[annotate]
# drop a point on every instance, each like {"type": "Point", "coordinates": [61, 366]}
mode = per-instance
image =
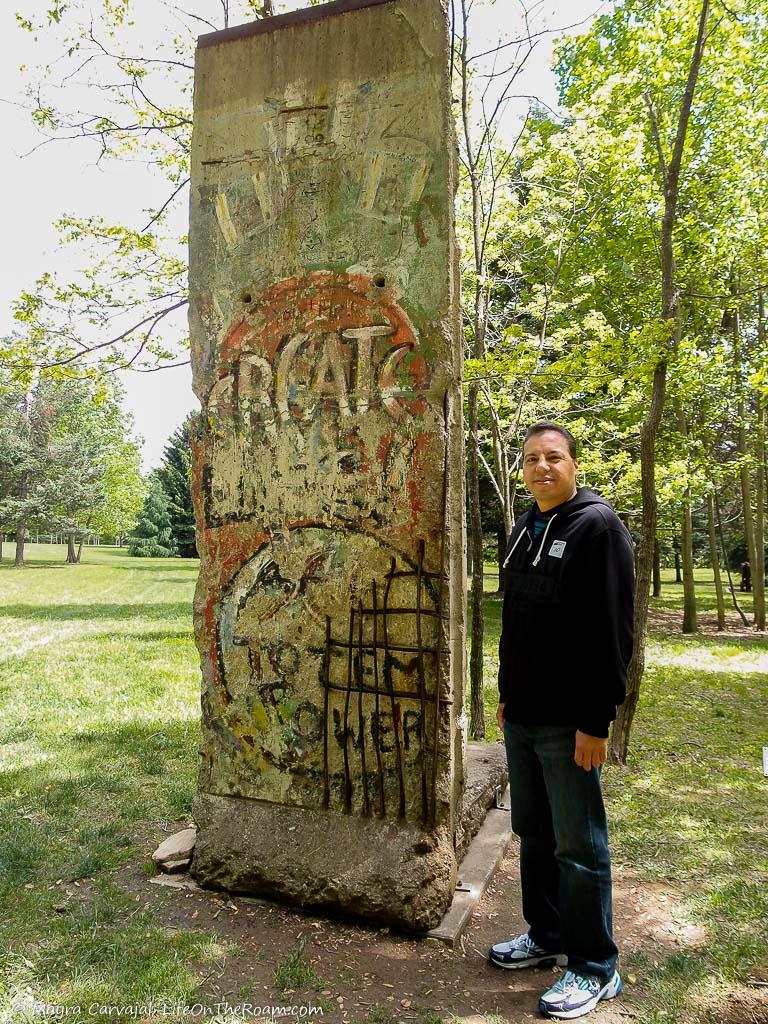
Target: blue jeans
{"type": "Point", "coordinates": [565, 866]}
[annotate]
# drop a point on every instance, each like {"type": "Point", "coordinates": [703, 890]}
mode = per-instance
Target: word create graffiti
{"type": "Point", "coordinates": [339, 371]}
{"type": "Point", "coordinates": [322, 404]}
{"type": "Point", "coordinates": [325, 344]}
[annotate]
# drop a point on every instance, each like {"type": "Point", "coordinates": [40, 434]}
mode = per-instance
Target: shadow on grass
{"type": "Point", "coordinates": [676, 638]}
{"type": "Point", "coordinates": [145, 565]}
{"type": "Point", "coordinates": [60, 816]}
{"type": "Point", "coordinates": [74, 817]}
{"type": "Point", "coordinates": [10, 567]}
{"type": "Point", "coordinates": [98, 612]}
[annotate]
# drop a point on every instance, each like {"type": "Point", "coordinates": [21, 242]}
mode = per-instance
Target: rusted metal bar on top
{"type": "Point", "coordinates": [400, 611]}
{"type": "Point", "coordinates": [368, 647]}
{"type": "Point", "coordinates": [395, 708]}
{"type": "Point", "coordinates": [369, 691]}
{"type": "Point", "coordinates": [360, 721]}
{"type": "Point", "coordinates": [280, 21]}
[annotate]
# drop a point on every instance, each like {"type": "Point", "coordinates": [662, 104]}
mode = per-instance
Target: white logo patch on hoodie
{"type": "Point", "coordinates": [557, 549]}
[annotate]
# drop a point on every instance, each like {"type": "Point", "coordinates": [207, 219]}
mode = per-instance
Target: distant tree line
{"type": "Point", "coordinates": [71, 466]}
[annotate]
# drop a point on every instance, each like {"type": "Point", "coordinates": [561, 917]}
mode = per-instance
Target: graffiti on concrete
{"type": "Point", "coordinates": [361, 729]}
{"type": "Point", "coordinates": [325, 373]}
{"type": "Point", "coordinates": [378, 672]}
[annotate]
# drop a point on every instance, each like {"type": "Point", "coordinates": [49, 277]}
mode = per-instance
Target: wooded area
{"type": "Point", "coordinates": [613, 272]}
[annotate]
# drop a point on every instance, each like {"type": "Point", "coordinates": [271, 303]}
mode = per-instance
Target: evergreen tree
{"type": "Point", "coordinates": [175, 476]}
{"type": "Point", "coordinates": [152, 537]}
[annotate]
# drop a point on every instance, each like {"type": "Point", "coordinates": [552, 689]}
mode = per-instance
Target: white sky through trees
{"type": "Point", "coordinates": [63, 177]}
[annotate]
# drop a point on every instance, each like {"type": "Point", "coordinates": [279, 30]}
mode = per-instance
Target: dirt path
{"type": "Point", "coordinates": [368, 971]}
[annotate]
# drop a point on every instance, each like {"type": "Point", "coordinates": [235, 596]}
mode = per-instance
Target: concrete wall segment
{"type": "Point", "coordinates": [328, 475]}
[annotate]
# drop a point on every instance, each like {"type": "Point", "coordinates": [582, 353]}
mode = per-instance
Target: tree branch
{"type": "Point", "coordinates": [165, 206]}
{"type": "Point", "coordinates": [656, 138]}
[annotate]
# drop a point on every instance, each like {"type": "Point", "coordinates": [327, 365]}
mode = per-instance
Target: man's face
{"type": "Point", "coordinates": [549, 470]}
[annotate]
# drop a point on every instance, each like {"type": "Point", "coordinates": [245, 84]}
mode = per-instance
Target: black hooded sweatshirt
{"type": "Point", "coordinates": [567, 623]}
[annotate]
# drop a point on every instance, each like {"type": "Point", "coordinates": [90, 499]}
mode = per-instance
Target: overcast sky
{"type": "Point", "coordinates": [62, 177]}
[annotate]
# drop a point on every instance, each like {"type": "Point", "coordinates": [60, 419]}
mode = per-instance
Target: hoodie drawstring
{"type": "Point", "coordinates": [523, 533]}
{"type": "Point", "coordinates": [537, 559]}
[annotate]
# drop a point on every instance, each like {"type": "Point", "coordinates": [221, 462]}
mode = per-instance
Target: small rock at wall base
{"type": "Point", "coordinates": [175, 867]}
{"type": "Point", "coordinates": [177, 847]}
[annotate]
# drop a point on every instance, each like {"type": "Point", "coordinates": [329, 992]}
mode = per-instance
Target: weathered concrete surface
{"type": "Point", "coordinates": [395, 872]}
{"type": "Point", "coordinates": [328, 474]}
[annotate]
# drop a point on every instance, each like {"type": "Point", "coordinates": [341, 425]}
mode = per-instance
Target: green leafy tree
{"type": "Point", "coordinates": [124, 491]}
{"type": "Point", "coordinates": [125, 307]}
{"type": "Point", "coordinates": [58, 450]}
{"type": "Point", "coordinates": [153, 537]}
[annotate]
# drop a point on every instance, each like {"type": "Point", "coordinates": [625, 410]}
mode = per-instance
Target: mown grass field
{"type": "Point", "coordinates": [99, 706]}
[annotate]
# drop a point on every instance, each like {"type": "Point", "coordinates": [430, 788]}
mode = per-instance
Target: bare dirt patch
{"type": "Point", "coordinates": [361, 967]}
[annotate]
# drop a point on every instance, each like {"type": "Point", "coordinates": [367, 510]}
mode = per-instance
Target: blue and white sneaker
{"type": "Point", "coordinates": [522, 952]}
{"type": "Point", "coordinates": [575, 995]}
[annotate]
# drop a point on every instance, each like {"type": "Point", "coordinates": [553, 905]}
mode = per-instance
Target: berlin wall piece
{"type": "Point", "coordinates": [328, 470]}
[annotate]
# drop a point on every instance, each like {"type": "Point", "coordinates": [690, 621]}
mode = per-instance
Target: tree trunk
{"type": "Point", "coordinates": [656, 568]}
{"type": "Point", "coordinates": [758, 570]}
{"type": "Point", "coordinates": [715, 562]}
{"type": "Point", "coordinates": [745, 481]}
{"type": "Point", "coordinates": [476, 705]}
{"type": "Point", "coordinates": [71, 554]}
{"type": "Point", "coordinates": [670, 175]}
{"type": "Point", "coordinates": [21, 531]}
{"type": "Point", "coordinates": [79, 551]}
{"type": "Point", "coordinates": [479, 319]}
{"type": "Point", "coordinates": [678, 565]}
{"type": "Point", "coordinates": [501, 542]}
{"type": "Point", "coordinates": [726, 563]}
{"type": "Point", "coordinates": [690, 622]}
{"type": "Point", "coordinates": [745, 476]}
{"type": "Point", "coordinates": [619, 742]}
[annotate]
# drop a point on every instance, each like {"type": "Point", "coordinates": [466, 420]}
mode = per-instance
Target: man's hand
{"type": "Point", "coordinates": [591, 751]}
{"type": "Point", "coordinates": [500, 718]}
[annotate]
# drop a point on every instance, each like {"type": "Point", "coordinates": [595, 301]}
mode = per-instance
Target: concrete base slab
{"type": "Point", "coordinates": [485, 779]}
{"type": "Point", "coordinates": [187, 882]}
{"type": "Point", "coordinates": [475, 872]}
{"type": "Point", "coordinates": [396, 873]}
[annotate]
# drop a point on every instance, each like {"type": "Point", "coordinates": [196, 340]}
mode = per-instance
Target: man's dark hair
{"type": "Point", "coordinates": [544, 425]}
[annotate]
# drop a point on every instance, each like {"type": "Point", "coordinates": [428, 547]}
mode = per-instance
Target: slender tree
{"type": "Point", "coordinates": [669, 173]}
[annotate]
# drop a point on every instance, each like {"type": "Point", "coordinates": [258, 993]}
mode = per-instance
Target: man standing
{"type": "Point", "coordinates": [566, 641]}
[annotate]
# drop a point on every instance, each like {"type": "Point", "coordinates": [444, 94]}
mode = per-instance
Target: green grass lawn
{"type": "Point", "coordinates": [99, 706]}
